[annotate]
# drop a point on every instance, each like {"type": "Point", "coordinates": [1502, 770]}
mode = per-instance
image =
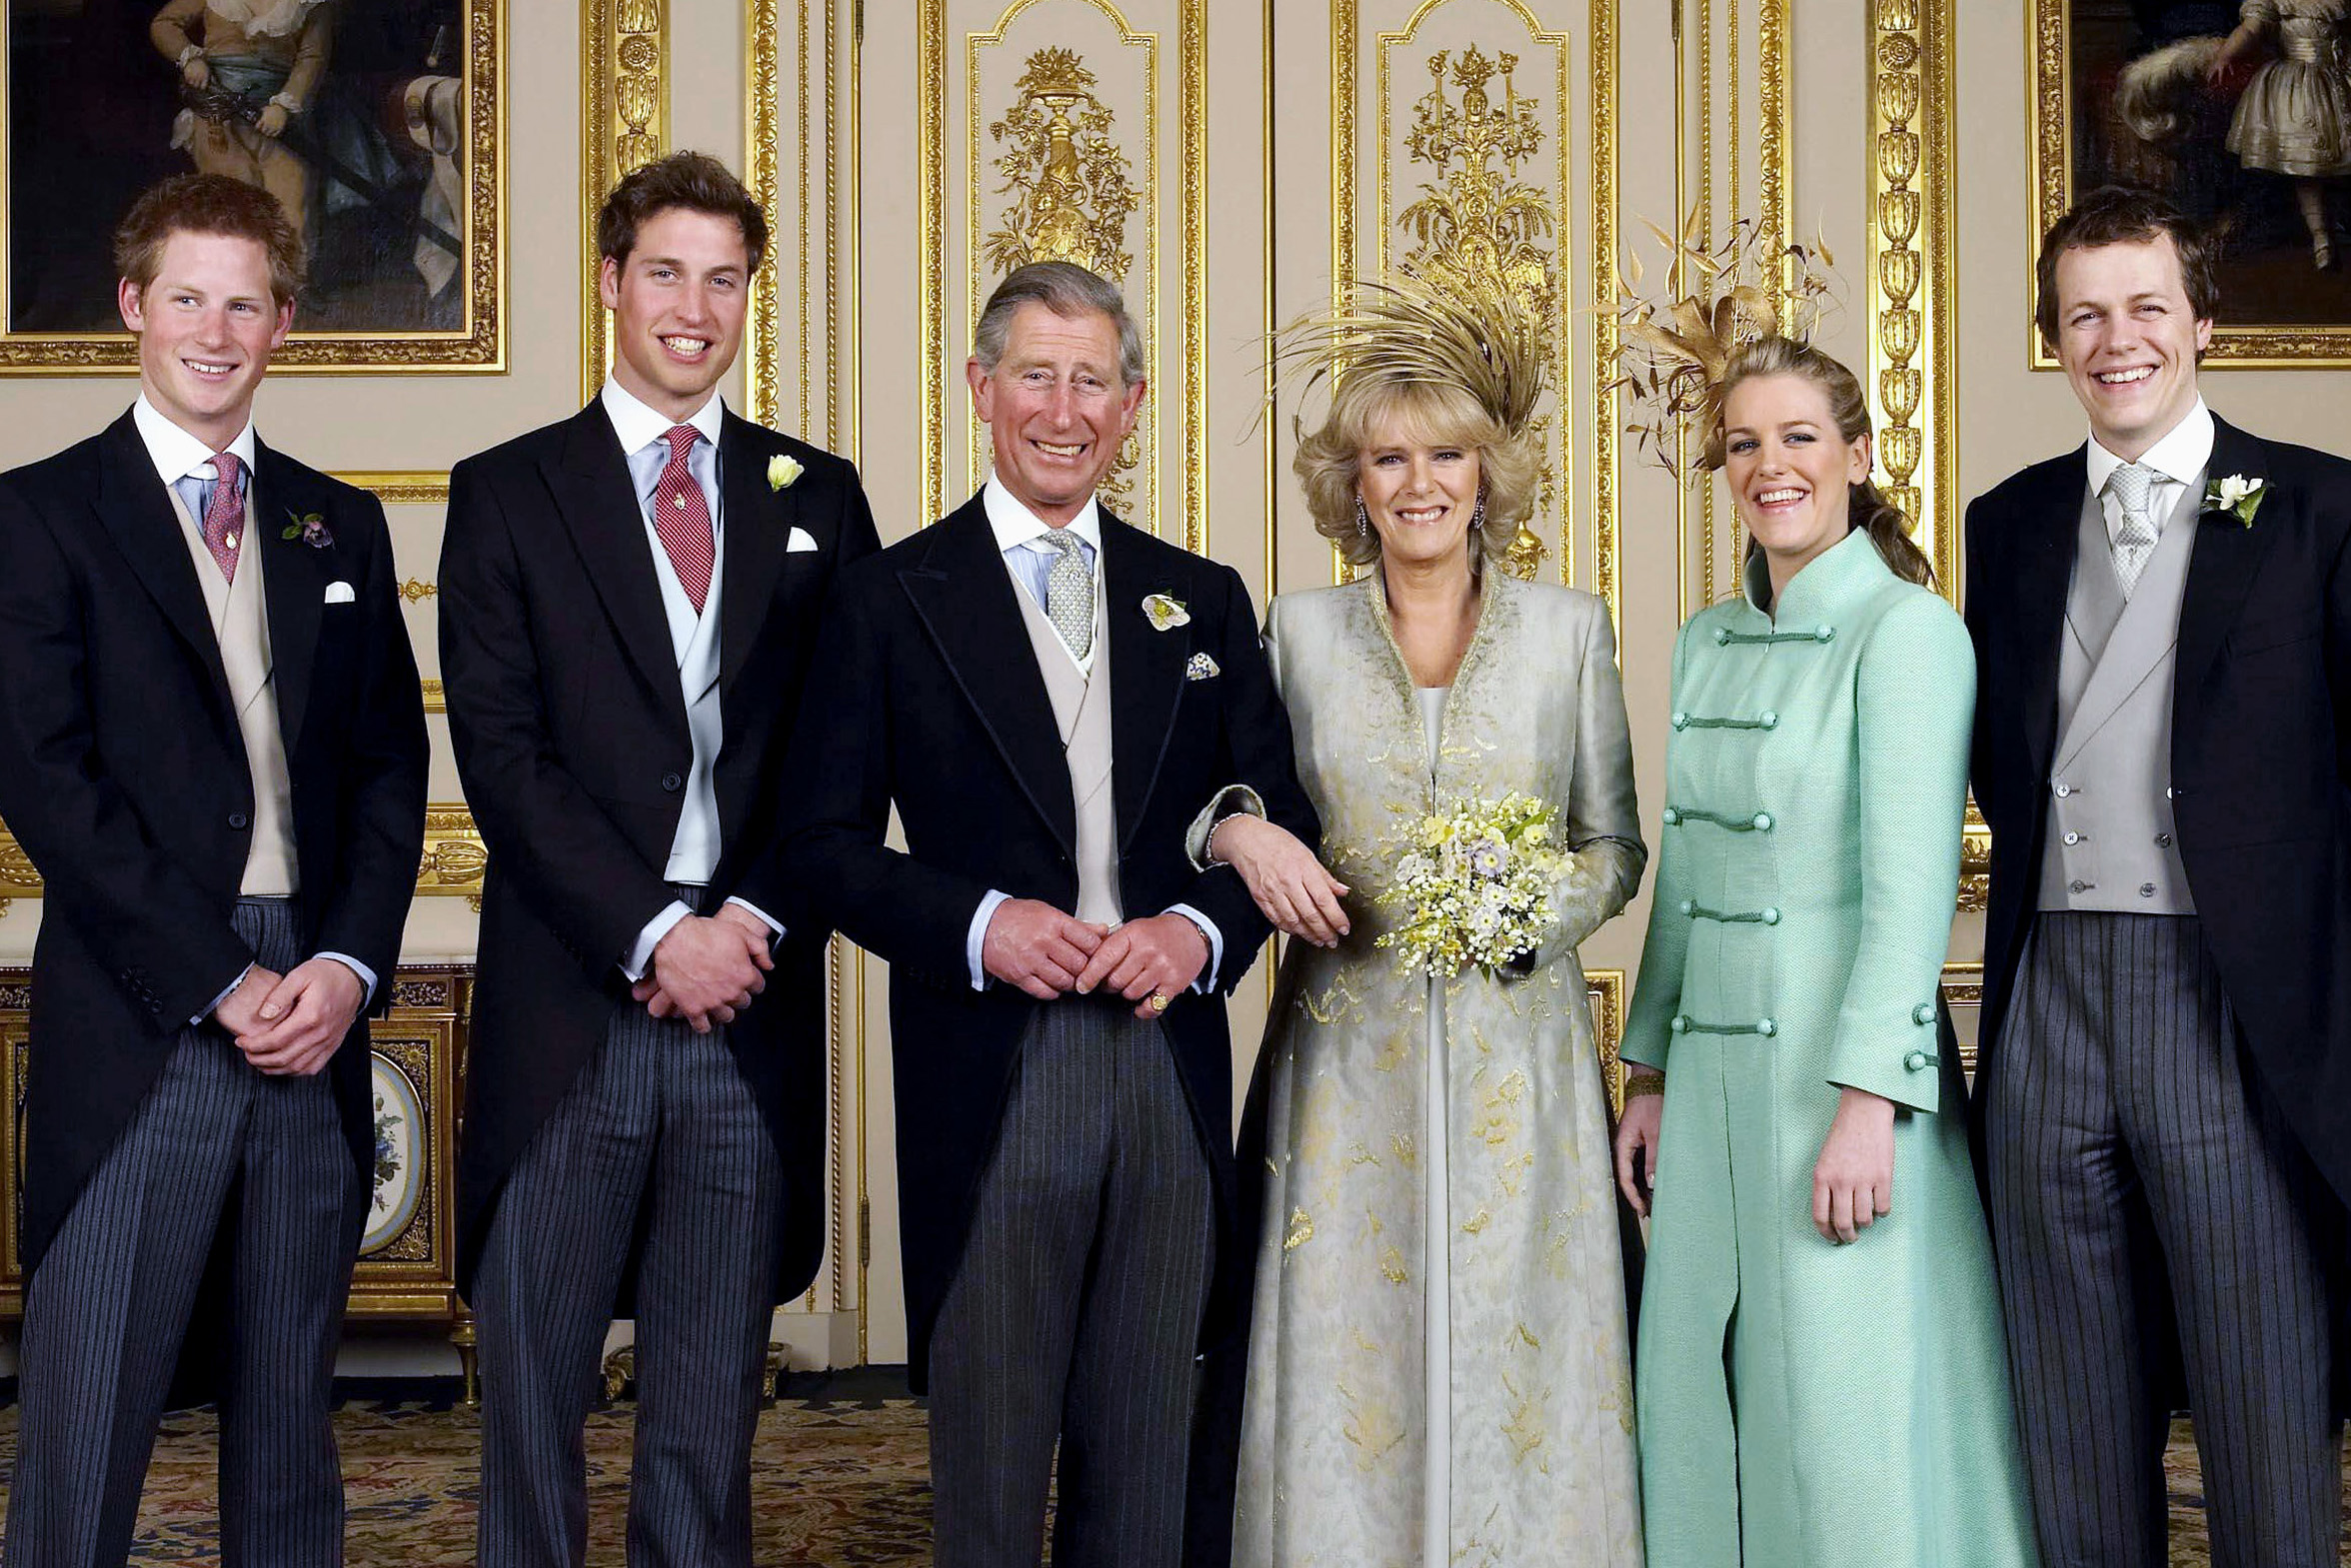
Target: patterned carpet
{"type": "Point", "coordinates": [839, 1478]}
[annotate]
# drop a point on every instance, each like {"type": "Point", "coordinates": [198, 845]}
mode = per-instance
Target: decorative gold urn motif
{"type": "Point", "coordinates": [1478, 227]}
{"type": "Point", "coordinates": [1066, 176]}
{"type": "Point", "coordinates": [1071, 196]}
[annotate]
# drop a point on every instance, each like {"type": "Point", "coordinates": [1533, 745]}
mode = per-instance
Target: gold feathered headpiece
{"type": "Point", "coordinates": [1472, 334]}
{"type": "Point", "coordinates": [1677, 352]}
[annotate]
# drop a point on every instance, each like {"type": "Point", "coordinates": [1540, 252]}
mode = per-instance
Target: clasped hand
{"type": "Point", "coordinates": [706, 969]}
{"type": "Point", "coordinates": [288, 1025]}
{"type": "Point", "coordinates": [1852, 1180]}
{"type": "Point", "coordinates": [1290, 886]}
{"type": "Point", "coordinates": [1046, 952]}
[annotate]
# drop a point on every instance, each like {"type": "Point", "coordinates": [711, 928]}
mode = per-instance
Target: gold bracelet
{"type": "Point", "coordinates": [1643, 1082]}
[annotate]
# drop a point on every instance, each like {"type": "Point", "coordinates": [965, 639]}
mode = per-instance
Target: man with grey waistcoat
{"type": "Point", "coordinates": [2162, 625]}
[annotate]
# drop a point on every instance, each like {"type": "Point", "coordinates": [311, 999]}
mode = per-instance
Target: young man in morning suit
{"type": "Point", "coordinates": [1049, 696]}
{"type": "Point", "coordinates": [2164, 752]}
{"type": "Point", "coordinates": [212, 745]}
{"type": "Point", "coordinates": [628, 602]}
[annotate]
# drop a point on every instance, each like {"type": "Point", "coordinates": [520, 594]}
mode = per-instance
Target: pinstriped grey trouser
{"type": "Point", "coordinates": [2133, 1146]}
{"type": "Point", "coordinates": [659, 1130]}
{"type": "Point", "coordinates": [110, 1303]}
{"type": "Point", "coordinates": [1076, 1307]}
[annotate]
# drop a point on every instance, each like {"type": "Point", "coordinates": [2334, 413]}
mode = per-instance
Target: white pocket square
{"type": "Point", "coordinates": [338, 594]}
{"type": "Point", "coordinates": [1201, 668]}
{"type": "Point", "coordinates": [801, 540]}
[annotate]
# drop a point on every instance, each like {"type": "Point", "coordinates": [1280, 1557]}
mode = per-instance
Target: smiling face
{"type": "Point", "coordinates": [2128, 339]}
{"type": "Point", "coordinates": [1788, 468]}
{"type": "Point", "coordinates": [677, 303]}
{"type": "Point", "coordinates": [207, 327]}
{"type": "Point", "coordinates": [1056, 408]}
{"type": "Point", "coordinates": [1419, 495]}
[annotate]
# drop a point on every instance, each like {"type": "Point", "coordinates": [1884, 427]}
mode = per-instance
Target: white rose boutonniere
{"type": "Point", "coordinates": [2237, 495]}
{"type": "Point", "coordinates": [782, 471]}
{"type": "Point", "coordinates": [1166, 614]}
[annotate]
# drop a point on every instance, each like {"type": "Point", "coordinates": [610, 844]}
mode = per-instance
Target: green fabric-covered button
{"type": "Point", "coordinates": [1673, 818]}
{"type": "Point", "coordinates": [1690, 906]}
{"type": "Point", "coordinates": [1762, 821]}
{"type": "Point", "coordinates": [1679, 1025]}
{"type": "Point", "coordinates": [1918, 1060]}
{"type": "Point", "coordinates": [1771, 917]}
{"type": "Point", "coordinates": [1766, 1028]}
{"type": "Point", "coordinates": [1923, 1014]}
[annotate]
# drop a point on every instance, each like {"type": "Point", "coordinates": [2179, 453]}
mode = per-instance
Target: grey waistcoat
{"type": "Point", "coordinates": [2112, 844]}
{"type": "Point", "coordinates": [1082, 712]}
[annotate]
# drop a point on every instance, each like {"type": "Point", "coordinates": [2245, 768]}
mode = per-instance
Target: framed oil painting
{"type": "Point", "coordinates": [376, 125]}
{"type": "Point", "coordinates": [2241, 113]}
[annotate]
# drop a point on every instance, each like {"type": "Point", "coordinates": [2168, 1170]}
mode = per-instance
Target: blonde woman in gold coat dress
{"type": "Point", "coordinates": [1439, 1368]}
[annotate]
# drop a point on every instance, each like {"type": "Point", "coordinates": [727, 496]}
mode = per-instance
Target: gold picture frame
{"type": "Point", "coordinates": [382, 226]}
{"type": "Point", "coordinates": [2271, 317]}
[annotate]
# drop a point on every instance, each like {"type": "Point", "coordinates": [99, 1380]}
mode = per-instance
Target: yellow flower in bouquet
{"type": "Point", "coordinates": [1474, 885]}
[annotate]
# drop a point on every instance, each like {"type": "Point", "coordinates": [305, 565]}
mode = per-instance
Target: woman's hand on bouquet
{"type": "Point", "coordinates": [1289, 885]}
{"type": "Point", "coordinates": [1637, 1149]}
{"type": "Point", "coordinates": [1854, 1180]}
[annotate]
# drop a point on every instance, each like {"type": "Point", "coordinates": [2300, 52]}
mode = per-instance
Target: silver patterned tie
{"type": "Point", "coordinates": [1068, 592]}
{"type": "Point", "coordinates": [2134, 541]}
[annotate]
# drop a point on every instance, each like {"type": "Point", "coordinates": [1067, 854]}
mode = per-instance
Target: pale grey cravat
{"type": "Point", "coordinates": [2134, 541]}
{"type": "Point", "coordinates": [1068, 592]}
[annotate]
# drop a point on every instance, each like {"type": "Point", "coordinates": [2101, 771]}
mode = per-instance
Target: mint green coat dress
{"type": "Point", "coordinates": [1801, 1402]}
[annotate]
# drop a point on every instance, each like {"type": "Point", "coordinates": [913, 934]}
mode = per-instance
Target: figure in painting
{"type": "Point", "coordinates": [2295, 116]}
{"type": "Point", "coordinates": [247, 67]}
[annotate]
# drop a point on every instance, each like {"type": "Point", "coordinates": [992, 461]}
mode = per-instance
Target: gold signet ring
{"type": "Point", "coordinates": [1158, 1001]}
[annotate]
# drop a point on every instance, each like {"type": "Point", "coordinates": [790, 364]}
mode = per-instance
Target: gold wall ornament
{"type": "Point", "coordinates": [624, 121]}
{"type": "Point", "coordinates": [1912, 187]}
{"type": "Point", "coordinates": [1067, 177]}
{"type": "Point", "coordinates": [1071, 196]}
{"type": "Point", "coordinates": [1475, 221]}
{"type": "Point", "coordinates": [1481, 229]}
{"type": "Point", "coordinates": [453, 859]}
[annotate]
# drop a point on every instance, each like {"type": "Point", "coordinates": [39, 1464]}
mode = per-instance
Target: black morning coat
{"type": "Point", "coordinates": [2260, 750]}
{"type": "Point", "coordinates": [124, 776]}
{"type": "Point", "coordinates": [935, 703]}
{"type": "Point", "coordinates": [569, 730]}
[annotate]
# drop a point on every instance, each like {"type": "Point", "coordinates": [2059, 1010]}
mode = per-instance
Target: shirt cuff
{"type": "Point", "coordinates": [1206, 985]}
{"type": "Point", "coordinates": [367, 977]}
{"type": "Point", "coordinates": [772, 925]}
{"type": "Point", "coordinates": [222, 997]}
{"type": "Point", "coordinates": [975, 943]}
{"type": "Point", "coordinates": [641, 955]}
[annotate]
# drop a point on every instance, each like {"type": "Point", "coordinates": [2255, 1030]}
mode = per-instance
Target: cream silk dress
{"type": "Point", "coordinates": [1437, 1152]}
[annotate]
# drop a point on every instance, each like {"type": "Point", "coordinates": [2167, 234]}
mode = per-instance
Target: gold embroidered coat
{"type": "Point", "coordinates": [1540, 1460]}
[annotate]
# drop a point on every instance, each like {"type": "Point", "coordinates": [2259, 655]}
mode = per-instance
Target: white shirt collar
{"type": "Point", "coordinates": [2179, 457]}
{"type": "Point", "coordinates": [178, 455]}
{"type": "Point", "coordinates": [1015, 525]}
{"type": "Point", "coordinates": [639, 426]}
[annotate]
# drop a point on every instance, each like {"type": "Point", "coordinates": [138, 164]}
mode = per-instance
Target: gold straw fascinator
{"type": "Point", "coordinates": [1472, 334]}
{"type": "Point", "coordinates": [1720, 298]}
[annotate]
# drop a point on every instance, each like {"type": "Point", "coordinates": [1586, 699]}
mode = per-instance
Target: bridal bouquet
{"type": "Point", "coordinates": [1474, 885]}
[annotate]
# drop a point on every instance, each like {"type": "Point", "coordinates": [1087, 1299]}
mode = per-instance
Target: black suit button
{"type": "Point", "coordinates": [239, 820]}
{"type": "Point", "coordinates": [673, 781]}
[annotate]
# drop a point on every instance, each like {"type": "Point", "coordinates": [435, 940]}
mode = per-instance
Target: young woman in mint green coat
{"type": "Point", "coordinates": [1821, 1376]}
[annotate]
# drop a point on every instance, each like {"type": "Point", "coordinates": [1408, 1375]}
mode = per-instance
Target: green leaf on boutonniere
{"type": "Point", "coordinates": [309, 527]}
{"type": "Point", "coordinates": [2237, 497]}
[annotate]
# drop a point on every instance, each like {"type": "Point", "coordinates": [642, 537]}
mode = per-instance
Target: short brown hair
{"type": "Point", "coordinates": [2127, 215]}
{"type": "Point", "coordinates": [1435, 414]}
{"type": "Point", "coordinates": [695, 181]}
{"type": "Point", "coordinates": [208, 204]}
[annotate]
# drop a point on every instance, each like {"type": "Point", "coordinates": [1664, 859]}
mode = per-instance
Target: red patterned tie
{"type": "Point", "coordinates": [224, 513]}
{"type": "Point", "coordinates": [681, 518]}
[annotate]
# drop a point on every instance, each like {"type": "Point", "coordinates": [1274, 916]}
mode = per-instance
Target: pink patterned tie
{"type": "Point", "coordinates": [681, 518]}
{"type": "Point", "coordinates": [224, 513]}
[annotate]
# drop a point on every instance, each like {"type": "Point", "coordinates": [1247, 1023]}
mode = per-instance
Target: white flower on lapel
{"type": "Point", "coordinates": [1201, 668]}
{"type": "Point", "coordinates": [2237, 495]}
{"type": "Point", "coordinates": [783, 469]}
{"type": "Point", "coordinates": [1166, 614]}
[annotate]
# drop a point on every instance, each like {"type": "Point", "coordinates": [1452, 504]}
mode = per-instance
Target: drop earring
{"type": "Point", "coordinates": [1362, 520]}
{"type": "Point", "coordinates": [1477, 516]}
